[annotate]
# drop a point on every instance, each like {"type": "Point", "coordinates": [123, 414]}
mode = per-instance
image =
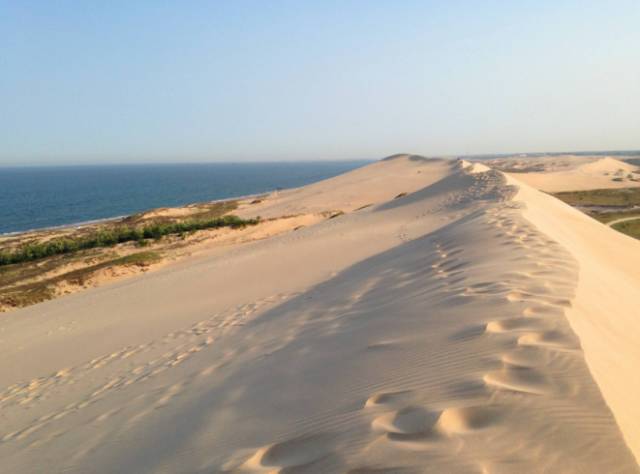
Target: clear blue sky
{"type": "Point", "coordinates": [132, 81]}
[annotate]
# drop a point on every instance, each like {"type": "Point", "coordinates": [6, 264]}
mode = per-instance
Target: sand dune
{"type": "Point", "coordinates": [570, 173]}
{"type": "Point", "coordinates": [379, 182]}
{"type": "Point", "coordinates": [453, 319]}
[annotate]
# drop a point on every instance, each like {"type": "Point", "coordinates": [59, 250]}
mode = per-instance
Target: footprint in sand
{"type": "Point", "coordinates": [550, 339]}
{"type": "Point", "coordinates": [293, 453]}
{"type": "Point", "coordinates": [463, 420]}
{"type": "Point", "coordinates": [525, 357]}
{"type": "Point", "coordinates": [518, 379]}
{"type": "Point", "coordinates": [517, 296]}
{"type": "Point", "coordinates": [387, 398]}
{"type": "Point", "coordinates": [514, 325]}
{"type": "Point", "coordinates": [419, 428]}
{"type": "Point", "coordinates": [407, 421]}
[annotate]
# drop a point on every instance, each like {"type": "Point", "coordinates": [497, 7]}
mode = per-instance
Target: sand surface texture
{"type": "Point", "coordinates": [470, 325]}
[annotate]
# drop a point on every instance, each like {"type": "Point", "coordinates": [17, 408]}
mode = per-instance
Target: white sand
{"type": "Point", "coordinates": [473, 325]}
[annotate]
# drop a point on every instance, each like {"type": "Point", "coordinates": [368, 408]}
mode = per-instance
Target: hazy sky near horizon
{"type": "Point", "coordinates": [122, 81]}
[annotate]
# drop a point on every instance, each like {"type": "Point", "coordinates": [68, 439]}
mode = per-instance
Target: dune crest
{"type": "Point", "coordinates": [448, 319]}
{"type": "Point", "coordinates": [604, 311]}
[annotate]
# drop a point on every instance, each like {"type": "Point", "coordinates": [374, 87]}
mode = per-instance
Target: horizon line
{"type": "Point", "coordinates": [618, 152]}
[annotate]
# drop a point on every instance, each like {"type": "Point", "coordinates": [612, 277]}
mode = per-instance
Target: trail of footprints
{"type": "Point", "coordinates": [446, 267]}
{"type": "Point", "coordinates": [539, 327]}
{"type": "Point", "coordinates": [150, 360]}
{"type": "Point", "coordinates": [542, 325]}
{"type": "Point", "coordinates": [488, 185]}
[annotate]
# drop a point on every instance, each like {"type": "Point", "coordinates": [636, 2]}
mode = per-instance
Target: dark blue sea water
{"type": "Point", "coordinates": [40, 197]}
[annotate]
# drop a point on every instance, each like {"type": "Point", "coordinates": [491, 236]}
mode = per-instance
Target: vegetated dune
{"type": "Point", "coordinates": [472, 324]}
{"type": "Point", "coordinates": [570, 173]}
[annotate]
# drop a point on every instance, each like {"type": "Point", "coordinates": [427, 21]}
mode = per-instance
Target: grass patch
{"type": "Point", "coordinates": [606, 217]}
{"type": "Point", "coordinates": [139, 259]}
{"type": "Point", "coordinates": [622, 203]}
{"type": "Point", "coordinates": [116, 234]}
{"type": "Point", "coordinates": [215, 209]}
{"type": "Point", "coordinates": [622, 197]}
{"type": "Point", "coordinates": [631, 228]}
{"type": "Point", "coordinates": [206, 211]}
{"type": "Point", "coordinates": [14, 274]}
{"type": "Point", "coordinates": [36, 292]}
{"type": "Point", "coordinates": [26, 295]}
{"type": "Point", "coordinates": [80, 276]}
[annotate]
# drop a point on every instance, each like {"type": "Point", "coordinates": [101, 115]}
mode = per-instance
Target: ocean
{"type": "Point", "coordinates": [43, 197]}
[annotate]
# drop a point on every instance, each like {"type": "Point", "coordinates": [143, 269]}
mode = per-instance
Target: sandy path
{"type": "Point", "coordinates": [424, 332]}
{"type": "Point", "coordinates": [624, 219]}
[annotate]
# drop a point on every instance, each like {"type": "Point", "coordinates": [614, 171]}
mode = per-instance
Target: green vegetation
{"type": "Point", "coordinates": [608, 205]}
{"type": "Point", "coordinates": [606, 217]}
{"type": "Point", "coordinates": [27, 294]}
{"type": "Point", "coordinates": [622, 197]}
{"type": "Point", "coordinates": [109, 236]}
{"type": "Point", "coordinates": [80, 276]}
{"type": "Point", "coordinates": [205, 212]}
{"type": "Point", "coordinates": [140, 259]}
{"type": "Point", "coordinates": [12, 275]}
{"type": "Point", "coordinates": [631, 228]}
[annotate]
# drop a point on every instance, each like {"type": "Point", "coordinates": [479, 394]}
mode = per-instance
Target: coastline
{"type": "Point", "coordinates": [107, 220]}
{"type": "Point", "coordinates": [45, 198]}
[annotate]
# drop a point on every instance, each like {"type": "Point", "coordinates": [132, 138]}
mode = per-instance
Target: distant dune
{"type": "Point", "coordinates": [446, 317]}
{"type": "Point", "coordinates": [570, 173]}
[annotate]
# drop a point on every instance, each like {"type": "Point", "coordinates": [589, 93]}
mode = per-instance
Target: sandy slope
{"type": "Point", "coordinates": [454, 329]}
{"type": "Point", "coordinates": [605, 313]}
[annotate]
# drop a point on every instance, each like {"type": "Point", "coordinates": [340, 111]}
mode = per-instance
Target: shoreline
{"type": "Point", "coordinates": [82, 224]}
{"type": "Point", "coordinates": [77, 225]}
{"type": "Point", "coordinates": [50, 198]}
